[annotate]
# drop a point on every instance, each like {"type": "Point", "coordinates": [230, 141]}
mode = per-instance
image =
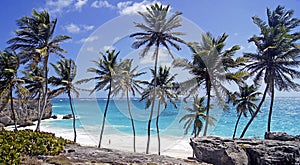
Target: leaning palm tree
{"type": "Point", "coordinates": [125, 82]}
{"type": "Point", "coordinates": [209, 68]}
{"type": "Point", "coordinates": [277, 56]}
{"type": "Point", "coordinates": [165, 89]}
{"type": "Point", "coordinates": [158, 31]}
{"type": "Point", "coordinates": [244, 101]}
{"type": "Point", "coordinates": [35, 42]}
{"type": "Point", "coordinates": [9, 64]}
{"type": "Point", "coordinates": [196, 116]}
{"type": "Point", "coordinates": [66, 72]}
{"type": "Point", "coordinates": [105, 71]}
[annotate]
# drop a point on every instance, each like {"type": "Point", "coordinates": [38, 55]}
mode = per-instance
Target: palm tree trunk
{"type": "Point", "coordinates": [271, 107]}
{"type": "Point", "coordinates": [104, 115]}
{"type": "Point", "coordinates": [12, 108]}
{"type": "Point", "coordinates": [207, 109]}
{"type": "Point", "coordinates": [131, 118]}
{"type": "Point", "coordinates": [236, 124]}
{"type": "Point", "coordinates": [39, 110]}
{"type": "Point", "coordinates": [256, 112]}
{"type": "Point", "coordinates": [45, 93]}
{"type": "Point", "coordinates": [153, 97]}
{"type": "Point", "coordinates": [74, 118]}
{"type": "Point", "coordinates": [157, 127]}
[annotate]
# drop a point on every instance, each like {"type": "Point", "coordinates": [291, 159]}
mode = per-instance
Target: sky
{"type": "Point", "coordinates": [96, 25]}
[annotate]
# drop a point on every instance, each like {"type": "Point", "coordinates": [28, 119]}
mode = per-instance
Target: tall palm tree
{"type": "Point", "coordinates": [165, 89]}
{"type": "Point", "coordinates": [9, 64]}
{"type": "Point", "coordinates": [277, 56]}
{"type": "Point", "coordinates": [125, 82]}
{"type": "Point", "coordinates": [105, 72]}
{"type": "Point", "coordinates": [244, 101]}
{"type": "Point", "coordinates": [196, 116]}
{"type": "Point", "coordinates": [210, 68]}
{"type": "Point", "coordinates": [35, 41]}
{"type": "Point", "coordinates": [66, 72]}
{"type": "Point", "coordinates": [158, 31]}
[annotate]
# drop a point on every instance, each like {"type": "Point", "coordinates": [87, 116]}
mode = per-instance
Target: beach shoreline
{"type": "Point", "coordinates": [177, 147]}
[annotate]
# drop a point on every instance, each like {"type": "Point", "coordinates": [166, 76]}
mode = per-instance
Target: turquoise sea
{"type": "Point", "coordinates": [286, 117]}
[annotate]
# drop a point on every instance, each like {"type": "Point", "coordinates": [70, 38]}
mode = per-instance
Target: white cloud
{"type": "Point", "coordinates": [57, 6]}
{"type": "Point", "coordinates": [88, 28]}
{"type": "Point", "coordinates": [163, 59]}
{"type": "Point", "coordinates": [128, 8]}
{"type": "Point", "coordinates": [72, 28]}
{"type": "Point", "coordinates": [90, 49]}
{"type": "Point", "coordinates": [100, 4]}
{"type": "Point", "coordinates": [89, 39]}
{"type": "Point", "coordinates": [80, 3]}
{"type": "Point", "coordinates": [122, 5]}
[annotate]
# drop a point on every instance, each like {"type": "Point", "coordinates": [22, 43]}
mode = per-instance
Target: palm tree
{"type": "Point", "coordinates": [125, 82]}
{"type": "Point", "coordinates": [9, 64]}
{"type": "Point", "coordinates": [276, 58]}
{"type": "Point", "coordinates": [35, 41]}
{"type": "Point", "coordinates": [210, 67]}
{"type": "Point", "coordinates": [105, 71]}
{"type": "Point", "coordinates": [158, 31]}
{"type": "Point", "coordinates": [196, 116]}
{"type": "Point", "coordinates": [165, 88]}
{"type": "Point", "coordinates": [34, 81]}
{"type": "Point", "coordinates": [66, 71]}
{"type": "Point", "coordinates": [244, 101]}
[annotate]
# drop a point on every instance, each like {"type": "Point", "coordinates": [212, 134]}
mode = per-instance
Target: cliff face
{"type": "Point", "coordinates": [278, 148]}
{"type": "Point", "coordinates": [23, 116]}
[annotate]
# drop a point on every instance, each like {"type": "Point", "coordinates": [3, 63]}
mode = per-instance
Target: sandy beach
{"type": "Point", "coordinates": [170, 145]}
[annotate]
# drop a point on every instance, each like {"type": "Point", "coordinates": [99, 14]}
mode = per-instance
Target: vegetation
{"type": "Point", "coordinates": [276, 58]}
{"type": "Point", "coordinates": [244, 100]}
{"type": "Point", "coordinates": [164, 89]}
{"type": "Point", "coordinates": [66, 71]}
{"type": "Point", "coordinates": [16, 145]}
{"type": "Point", "coordinates": [35, 42]}
{"type": "Point", "coordinates": [125, 82]}
{"type": "Point", "coordinates": [196, 116]}
{"type": "Point", "coordinates": [105, 72]}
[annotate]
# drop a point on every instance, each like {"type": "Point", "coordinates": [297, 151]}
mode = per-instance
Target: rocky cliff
{"type": "Point", "coordinates": [278, 148]}
{"type": "Point", "coordinates": [23, 115]}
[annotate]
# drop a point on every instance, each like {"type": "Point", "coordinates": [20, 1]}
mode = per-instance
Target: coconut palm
{"type": "Point", "coordinates": [33, 82]}
{"type": "Point", "coordinates": [125, 82]}
{"type": "Point", "coordinates": [105, 72]}
{"type": "Point", "coordinates": [244, 100]}
{"type": "Point", "coordinates": [209, 68]}
{"type": "Point", "coordinates": [158, 31]}
{"type": "Point", "coordinates": [9, 64]}
{"type": "Point", "coordinates": [35, 41]}
{"type": "Point", "coordinates": [276, 58]}
{"type": "Point", "coordinates": [66, 72]}
{"type": "Point", "coordinates": [165, 89]}
{"type": "Point", "coordinates": [196, 116]}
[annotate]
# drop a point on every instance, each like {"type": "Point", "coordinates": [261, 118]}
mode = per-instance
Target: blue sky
{"type": "Point", "coordinates": [80, 19]}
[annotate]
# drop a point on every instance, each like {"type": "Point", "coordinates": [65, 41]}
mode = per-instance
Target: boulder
{"type": "Point", "coordinates": [279, 136]}
{"type": "Point", "coordinates": [26, 123]}
{"type": "Point", "coordinates": [6, 120]}
{"type": "Point", "coordinates": [218, 150]}
{"type": "Point", "coordinates": [54, 117]}
{"type": "Point", "coordinates": [68, 116]}
{"type": "Point", "coordinates": [1, 126]}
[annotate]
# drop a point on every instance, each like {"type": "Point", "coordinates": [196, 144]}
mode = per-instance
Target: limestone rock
{"type": "Point", "coordinates": [68, 116]}
{"type": "Point", "coordinates": [27, 113]}
{"type": "Point", "coordinates": [279, 136]}
{"type": "Point", "coordinates": [218, 150]}
{"type": "Point", "coordinates": [5, 120]}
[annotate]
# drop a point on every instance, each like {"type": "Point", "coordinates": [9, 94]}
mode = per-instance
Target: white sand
{"type": "Point", "coordinates": [172, 146]}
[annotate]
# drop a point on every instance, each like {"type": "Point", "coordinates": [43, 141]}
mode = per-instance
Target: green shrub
{"type": "Point", "coordinates": [14, 145]}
